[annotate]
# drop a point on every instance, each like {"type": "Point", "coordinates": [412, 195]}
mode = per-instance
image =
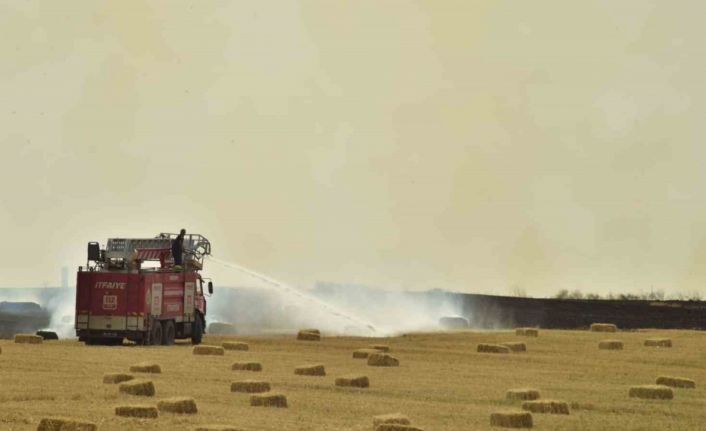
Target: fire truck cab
{"type": "Point", "coordinates": [131, 290]}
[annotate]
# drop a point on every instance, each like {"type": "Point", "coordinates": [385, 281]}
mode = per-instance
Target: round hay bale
{"type": "Point", "coordinates": [220, 328]}
{"type": "Point", "coordinates": [308, 336]}
{"type": "Point", "coordinates": [610, 345]}
{"type": "Point", "coordinates": [396, 427]}
{"type": "Point", "coordinates": [524, 394]}
{"type": "Point", "coordinates": [203, 349]}
{"type": "Point", "coordinates": [547, 406]}
{"type": "Point", "coordinates": [246, 366]}
{"type": "Point", "coordinates": [603, 327]}
{"type": "Point", "coordinates": [676, 382]}
{"type": "Point", "coordinates": [217, 428]}
{"type": "Point", "coordinates": [493, 348]}
{"type": "Point", "coordinates": [454, 322]}
{"type": "Point", "coordinates": [651, 392]}
{"type": "Point", "coordinates": [117, 378]}
{"type": "Point", "coordinates": [353, 381]}
{"type": "Point", "coordinates": [511, 419]}
{"type": "Point", "coordinates": [28, 339]}
{"type": "Point", "coordinates": [178, 405]}
{"type": "Point", "coordinates": [268, 399]}
{"type": "Point", "coordinates": [391, 418]}
{"type": "Point", "coordinates": [59, 424]}
{"type": "Point", "coordinates": [310, 370]}
{"type": "Point", "coordinates": [143, 412]}
{"type": "Point", "coordinates": [363, 353]}
{"type": "Point", "coordinates": [47, 335]}
{"type": "Point", "coordinates": [515, 346]}
{"type": "Point", "coordinates": [527, 332]}
{"type": "Point", "coordinates": [250, 386]}
{"type": "Point", "coordinates": [383, 360]}
{"type": "Point", "coordinates": [143, 388]}
{"type": "Point", "coordinates": [380, 347]}
{"type": "Point", "coordinates": [236, 345]}
{"type": "Point", "coordinates": [146, 367]}
{"type": "Point", "coordinates": [658, 342]}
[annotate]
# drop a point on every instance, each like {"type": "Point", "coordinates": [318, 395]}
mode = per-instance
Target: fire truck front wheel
{"type": "Point", "coordinates": [197, 330]}
{"type": "Point", "coordinates": [169, 333]}
{"type": "Point", "coordinates": [156, 333]}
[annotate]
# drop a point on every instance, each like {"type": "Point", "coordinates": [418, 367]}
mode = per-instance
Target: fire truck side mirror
{"type": "Point", "coordinates": [210, 288]}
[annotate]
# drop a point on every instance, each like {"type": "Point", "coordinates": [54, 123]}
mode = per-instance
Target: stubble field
{"type": "Point", "coordinates": [442, 383]}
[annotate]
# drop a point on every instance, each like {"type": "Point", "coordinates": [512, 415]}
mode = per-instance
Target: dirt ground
{"type": "Point", "coordinates": [442, 383]}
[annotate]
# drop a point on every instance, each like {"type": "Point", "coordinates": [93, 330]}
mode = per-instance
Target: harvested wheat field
{"type": "Point", "coordinates": [442, 382]}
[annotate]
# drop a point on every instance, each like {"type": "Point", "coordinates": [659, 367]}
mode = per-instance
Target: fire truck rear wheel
{"type": "Point", "coordinates": [156, 333]}
{"type": "Point", "coordinates": [169, 333]}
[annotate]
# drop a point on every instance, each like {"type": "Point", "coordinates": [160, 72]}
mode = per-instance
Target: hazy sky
{"type": "Point", "coordinates": [465, 145]}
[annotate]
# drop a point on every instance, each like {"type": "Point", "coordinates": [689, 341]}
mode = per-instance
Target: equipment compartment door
{"type": "Point", "coordinates": [156, 299]}
{"type": "Point", "coordinates": [189, 289]}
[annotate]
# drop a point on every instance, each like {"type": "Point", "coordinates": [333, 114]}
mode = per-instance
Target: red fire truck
{"type": "Point", "coordinates": [132, 289]}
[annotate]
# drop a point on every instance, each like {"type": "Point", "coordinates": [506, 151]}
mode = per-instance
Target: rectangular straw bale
{"type": "Point", "coordinates": [144, 388]}
{"type": "Point", "coordinates": [363, 353]}
{"type": "Point", "coordinates": [250, 386]}
{"type": "Point", "coordinates": [353, 381]}
{"type": "Point", "coordinates": [524, 394]}
{"type": "Point", "coordinates": [527, 332]}
{"type": "Point", "coordinates": [310, 370]}
{"type": "Point", "coordinates": [391, 418]}
{"type": "Point", "coordinates": [203, 349]}
{"type": "Point", "coordinates": [268, 399]}
{"type": "Point", "coordinates": [179, 405]}
{"type": "Point", "coordinates": [65, 424]}
{"type": "Point", "coordinates": [146, 367]}
{"type": "Point", "coordinates": [655, 392]}
{"type": "Point", "coordinates": [236, 345]}
{"type": "Point", "coordinates": [308, 336]}
{"type": "Point", "coordinates": [511, 419]}
{"type": "Point", "coordinates": [610, 345]}
{"type": "Point", "coordinates": [396, 427]}
{"type": "Point", "coordinates": [515, 346]}
{"type": "Point", "coordinates": [246, 366]}
{"type": "Point", "coordinates": [383, 360]}
{"type": "Point", "coordinates": [144, 412]}
{"type": "Point", "coordinates": [658, 342]}
{"type": "Point", "coordinates": [493, 348]}
{"type": "Point", "coordinates": [380, 347]}
{"type": "Point", "coordinates": [216, 428]}
{"type": "Point", "coordinates": [117, 378]}
{"type": "Point", "coordinates": [546, 406]}
{"type": "Point", "coordinates": [313, 330]}
{"type": "Point", "coordinates": [603, 327]}
{"type": "Point", "coordinates": [28, 339]}
{"type": "Point", "coordinates": [676, 382]}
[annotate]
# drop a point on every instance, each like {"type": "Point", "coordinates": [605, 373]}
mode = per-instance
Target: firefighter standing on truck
{"type": "Point", "coordinates": [178, 249]}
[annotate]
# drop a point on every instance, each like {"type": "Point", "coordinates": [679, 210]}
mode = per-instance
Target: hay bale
{"type": "Point", "coordinates": [363, 353]}
{"type": "Point", "coordinates": [308, 336]}
{"type": "Point", "coordinates": [676, 382]}
{"type": "Point", "coordinates": [652, 392]}
{"type": "Point", "coordinates": [383, 360]}
{"type": "Point", "coordinates": [546, 406]}
{"type": "Point", "coordinates": [146, 367]}
{"type": "Point", "coordinates": [511, 419]}
{"type": "Point", "coordinates": [143, 388]}
{"type": "Point", "coordinates": [236, 345]}
{"type": "Point", "coordinates": [250, 386]}
{"type": "Point", "coordinates": [246, 366]}
{"type": "Point", "coordinates": [610, 345]}
{"type": "Point", "coordinates": [380, 347]}
{"type": "Point", "coordinates": [312, 330]}
{"type": "Point", "coordinates": [117, 378]}
{"type": "Point", "coordinates": [143, 412]}
{"type": "Point", "coordinates": [527, 332]}
{"type": "Point", "coordinates": [524, 394]}
{"type": "Point", "coordinates": [220, 328]}
{"type": "Point", "coordinates": [515, 346]}
{"type": "Point", "coordinates": [391, 418]}
{"type": "Point", "coordinates": [268, 399]}
{"type": "Point", "coordinates": [65, 424]}
{"type": "Point", "coordinates": [658, 342]}
{"type": "Point", "coordinates": [353, 381]}
{"type": "Point", "coordinates": [216, 428]}
{"type": "Point", "coordinates": [603, 327]}
{"type": "Point", "coordinates": [396, 427]}
{"type": "Point", "coordinates": [454, 322]}
{"type": "Point", "coordinates": [493, 348]}
{"type": "Point", "coordinates": [203, 349]}
{"type": "Point", "coordinates": [28, 339]}
{"type": "Point", "coordinates": [310, 370]}
{"type": "Point", "coordinates": [179, 405]}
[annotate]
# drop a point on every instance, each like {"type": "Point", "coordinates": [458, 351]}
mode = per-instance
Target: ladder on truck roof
{"type": "Point", "coordinates": [125, 248]}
